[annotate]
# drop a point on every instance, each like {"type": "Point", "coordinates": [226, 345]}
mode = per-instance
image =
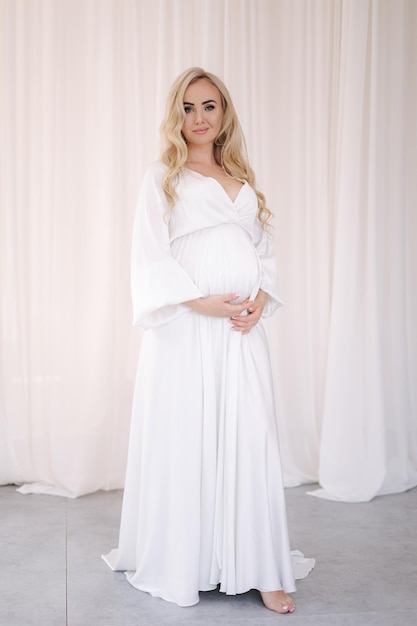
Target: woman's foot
{"type": "Point", "coordinates": [278, 601]}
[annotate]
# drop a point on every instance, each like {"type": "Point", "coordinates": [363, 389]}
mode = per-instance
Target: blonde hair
{"type": "Point", "coordinates": [229, 146]}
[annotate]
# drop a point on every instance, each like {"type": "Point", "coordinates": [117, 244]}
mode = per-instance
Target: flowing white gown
{"type": "Point", "coordinates": [203, 503]}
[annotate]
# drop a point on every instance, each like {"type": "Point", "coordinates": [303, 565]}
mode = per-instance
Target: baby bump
{"type": "Point", "coordinates": [220, 259]}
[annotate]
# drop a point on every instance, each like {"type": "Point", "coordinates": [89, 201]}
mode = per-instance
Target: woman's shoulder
{"type": "Point", "coordinates": [157, 169]}
{"type": "Point", "coordinates": [154, 175]}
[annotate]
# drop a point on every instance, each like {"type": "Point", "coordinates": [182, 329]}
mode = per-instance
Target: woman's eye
{"type": "Point", "coordinates": [187, 109]}
{"type": "Point", "coordinates": [210, 107]}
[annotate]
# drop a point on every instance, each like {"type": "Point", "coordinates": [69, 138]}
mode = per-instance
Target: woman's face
{"type": "Point", "coordinates": [203, 113]}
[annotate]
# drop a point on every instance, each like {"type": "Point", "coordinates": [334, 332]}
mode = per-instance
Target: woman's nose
{"type": "Point", "coordinates": [198, 116]}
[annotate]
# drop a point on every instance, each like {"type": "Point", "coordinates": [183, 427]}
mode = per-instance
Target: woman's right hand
{"type": "Point", "coordinates": [219, 306]}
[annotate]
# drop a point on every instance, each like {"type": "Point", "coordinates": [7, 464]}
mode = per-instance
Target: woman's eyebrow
{"type": "Point", "coordinates": [205, 102]}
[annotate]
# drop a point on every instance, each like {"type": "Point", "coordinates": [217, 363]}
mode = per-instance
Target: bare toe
{"type": "Point", "coordinates": [278, 601]}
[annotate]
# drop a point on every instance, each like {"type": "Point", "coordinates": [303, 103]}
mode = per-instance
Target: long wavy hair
{"type": "Point", "coordinates": [229, 147]}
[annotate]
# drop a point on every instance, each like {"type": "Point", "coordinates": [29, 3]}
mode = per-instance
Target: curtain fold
{"type": "Point", "coordinates": [326, 91]}
{"type": "Point", "coordinates": [368, 440]}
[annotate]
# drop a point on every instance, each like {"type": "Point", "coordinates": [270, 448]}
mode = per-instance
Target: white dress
{"type": "Point", "coordinates": [203, 503]}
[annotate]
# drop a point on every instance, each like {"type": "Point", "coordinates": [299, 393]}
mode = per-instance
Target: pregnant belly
{"type": "Point", "coordinates": [221, 259]}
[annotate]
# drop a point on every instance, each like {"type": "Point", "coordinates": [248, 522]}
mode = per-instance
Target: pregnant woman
{"type": "Point", "coordinates": [204, 504]}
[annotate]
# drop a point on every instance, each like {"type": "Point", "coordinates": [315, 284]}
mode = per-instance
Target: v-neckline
{"type": "Point", "coordinates": [219, 184]}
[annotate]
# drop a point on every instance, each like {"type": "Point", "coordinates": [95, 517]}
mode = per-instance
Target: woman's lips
{"type": "Point", "coordinates": [201, 131]}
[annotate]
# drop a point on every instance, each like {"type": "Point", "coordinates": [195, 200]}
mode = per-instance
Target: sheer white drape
{"type": "Point", "coordinates": [327, 94]}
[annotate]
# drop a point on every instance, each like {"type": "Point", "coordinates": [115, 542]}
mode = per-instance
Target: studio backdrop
{"type": "Point", "coordinates": [326, 91]}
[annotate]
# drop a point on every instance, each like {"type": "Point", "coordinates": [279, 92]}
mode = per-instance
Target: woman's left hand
{"type": "Point", "coordinates": [245, 323]}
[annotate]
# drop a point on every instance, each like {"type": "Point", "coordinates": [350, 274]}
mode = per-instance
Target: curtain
{"type": "Point", "coordinates": [326, 92]}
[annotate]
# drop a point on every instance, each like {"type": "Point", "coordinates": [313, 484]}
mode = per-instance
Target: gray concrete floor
{"type": "Point", "coordinates": [52, 573]}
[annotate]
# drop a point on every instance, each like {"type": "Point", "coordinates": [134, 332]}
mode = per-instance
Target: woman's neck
{"type": "Point", "coordinates": [203, 155]}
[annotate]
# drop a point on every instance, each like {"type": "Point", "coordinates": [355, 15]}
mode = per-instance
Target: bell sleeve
{"type": "Point", "coordinates": [269, 283]}
{"type": "Point", "coordinates": [159, 284]}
